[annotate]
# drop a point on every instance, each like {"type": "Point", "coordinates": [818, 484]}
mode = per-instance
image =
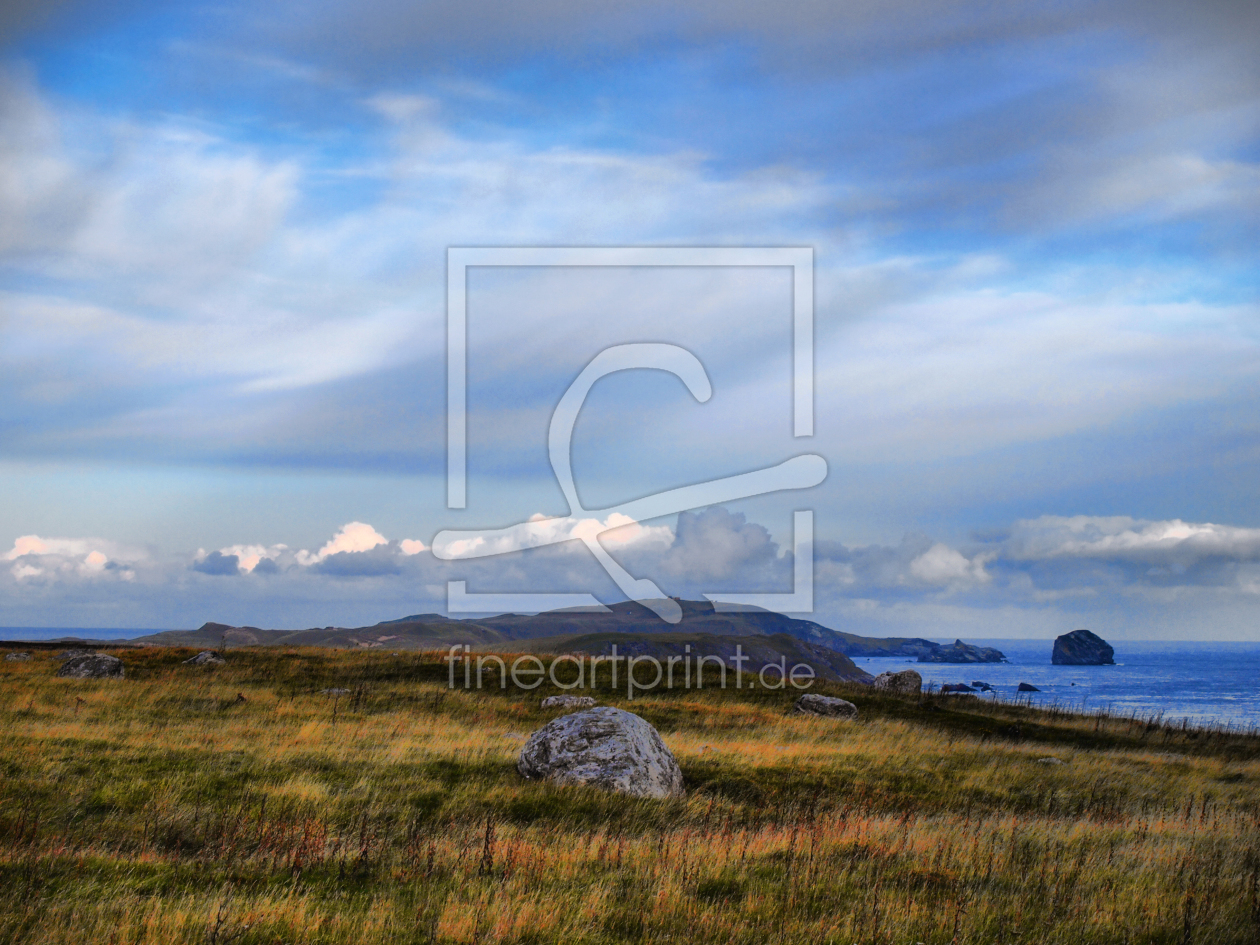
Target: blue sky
{"type": "Point", "coordinates": [222, 301]}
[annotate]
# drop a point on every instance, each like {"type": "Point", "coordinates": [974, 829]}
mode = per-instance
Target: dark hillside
{"type": "Point", "coordinates": [761, 651]}
{"type": "Point", "coordinates": [433, 631]}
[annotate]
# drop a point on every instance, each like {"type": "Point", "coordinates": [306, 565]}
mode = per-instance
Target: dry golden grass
{"type": "Point", "coordinates": [163, 808]}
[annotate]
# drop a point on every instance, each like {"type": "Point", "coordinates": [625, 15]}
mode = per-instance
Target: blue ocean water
{"type": "Point", "coordinates": [1212, 683]}
{"type": "Point", "coordinates": [81, 633]}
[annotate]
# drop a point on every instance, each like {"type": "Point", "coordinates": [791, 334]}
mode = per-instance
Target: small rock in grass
{"type": "Point", "coordinates": [335, 692]}
{"type": "Point", "coordinates": [1050, 761]}
{"type": "Point", "coordinates": [92, 666]}
{"type": "Point", "coordinates": [814, 704]}
{"type": "Point", "coordinates": [16, 657]}
{"type": "Point", "coordinates": [205, 658]}
{"type": "Point", "coordinates": [568, 702]}
{"type": "Point", "coordinates": [907, 682]}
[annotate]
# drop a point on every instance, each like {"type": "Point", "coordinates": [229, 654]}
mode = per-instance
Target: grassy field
{"type": "Point", "coordinates": [237, 804]}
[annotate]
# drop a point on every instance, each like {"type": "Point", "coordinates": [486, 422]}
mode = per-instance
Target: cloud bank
{"type": "Point", "coordinates": [1039, 574]}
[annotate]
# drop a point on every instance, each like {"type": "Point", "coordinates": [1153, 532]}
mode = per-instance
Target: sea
{"type": "Point", "coordinates": [1203, 683]}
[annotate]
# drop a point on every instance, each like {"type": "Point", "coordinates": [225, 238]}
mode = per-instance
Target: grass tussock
{"type": "Point", "coordinates": [239, 804]}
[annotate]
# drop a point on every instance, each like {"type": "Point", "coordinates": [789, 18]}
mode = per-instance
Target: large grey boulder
{"type": "Point", "coordinates": [814, 704]}
{"type": "Point", "coordinates": [907, 682]}
{"type": "Point", "coordinates": [606, 748]}
{"type": "Point", "coordinates": [92, 666]}
{"type": "Point", "coordinates": [568, 702]}
{"type": "Point", "coordinates": [205, 658]}
{"type": "Point", "coordinates": [1082, 648]}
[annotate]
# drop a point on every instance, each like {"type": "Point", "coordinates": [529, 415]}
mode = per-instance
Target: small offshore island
{"type": "Point", "coordinates": [1082, 648]}
{"type": "Point", "coordinates": [959, 652]}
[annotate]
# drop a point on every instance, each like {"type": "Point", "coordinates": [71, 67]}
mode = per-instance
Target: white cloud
{"type": "Point", "coordinates": [352, 537]}
{"type": "Point", "coordinates": [1170, 185]}
{"type": "Point", "coordinates": [249, 556]}
{"type": "Point", "coordinates": [1127, 539]}
{"type": "Point", "coordinates": [718, 549]}
{"type": "Point", "coordinates": [942, 564]}
{"type": "Point", "coordinates": [616, 531]}
{"type": "Point", "coordinates": [36, 556]}
{"type": "Point", "coordinates": [34, 545]}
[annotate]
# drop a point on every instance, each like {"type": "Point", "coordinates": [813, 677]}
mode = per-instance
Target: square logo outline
{"type": "Point", "coordinates": [461, 258]}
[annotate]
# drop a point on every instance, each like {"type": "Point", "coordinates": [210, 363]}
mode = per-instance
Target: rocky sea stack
{"type": "Point", "coordinates": [1082, 648]}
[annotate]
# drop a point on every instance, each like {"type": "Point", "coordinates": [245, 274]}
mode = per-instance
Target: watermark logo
{"type": "Point", "coordinates": [798, 472]}
{"type": "Point", "coordinates": [681, 671]}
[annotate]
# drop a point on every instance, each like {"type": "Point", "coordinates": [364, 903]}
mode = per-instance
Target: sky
{"type": "Point", "coordinates": [223, 290]}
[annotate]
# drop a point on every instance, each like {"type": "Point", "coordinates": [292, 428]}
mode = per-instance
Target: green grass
{"type": "Point", "coordinates": [164, 808]}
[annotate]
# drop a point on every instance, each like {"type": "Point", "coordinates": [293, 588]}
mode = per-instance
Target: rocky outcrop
{"type": "Point", "coordinates": [956, 687]}
{"type": "Point", "coordinates": [92, 666]}
{"type": "Point", "coordinates": [1082, 648]}
{"type": "Point", "coordinates": [856, 646]}
{"type": "Point", "coordinates": [1028, 687]}
{"type": "Point", "coordinates": [981, 686]}
{"type": "Point", "coordinates": [907, 682]}
{"type": "Point", "coordinates": [814, 704]}
{"type": "Point", "coordinates": [205, 658]}
{"type": "Point", "coordinates": [568, 702]}
{"type": "Point", "coordinates": [959, 652]}
{"type": "Point", "coordinates": [17, 657]}
{"type": "Point", "coordinates": [606, 748]}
